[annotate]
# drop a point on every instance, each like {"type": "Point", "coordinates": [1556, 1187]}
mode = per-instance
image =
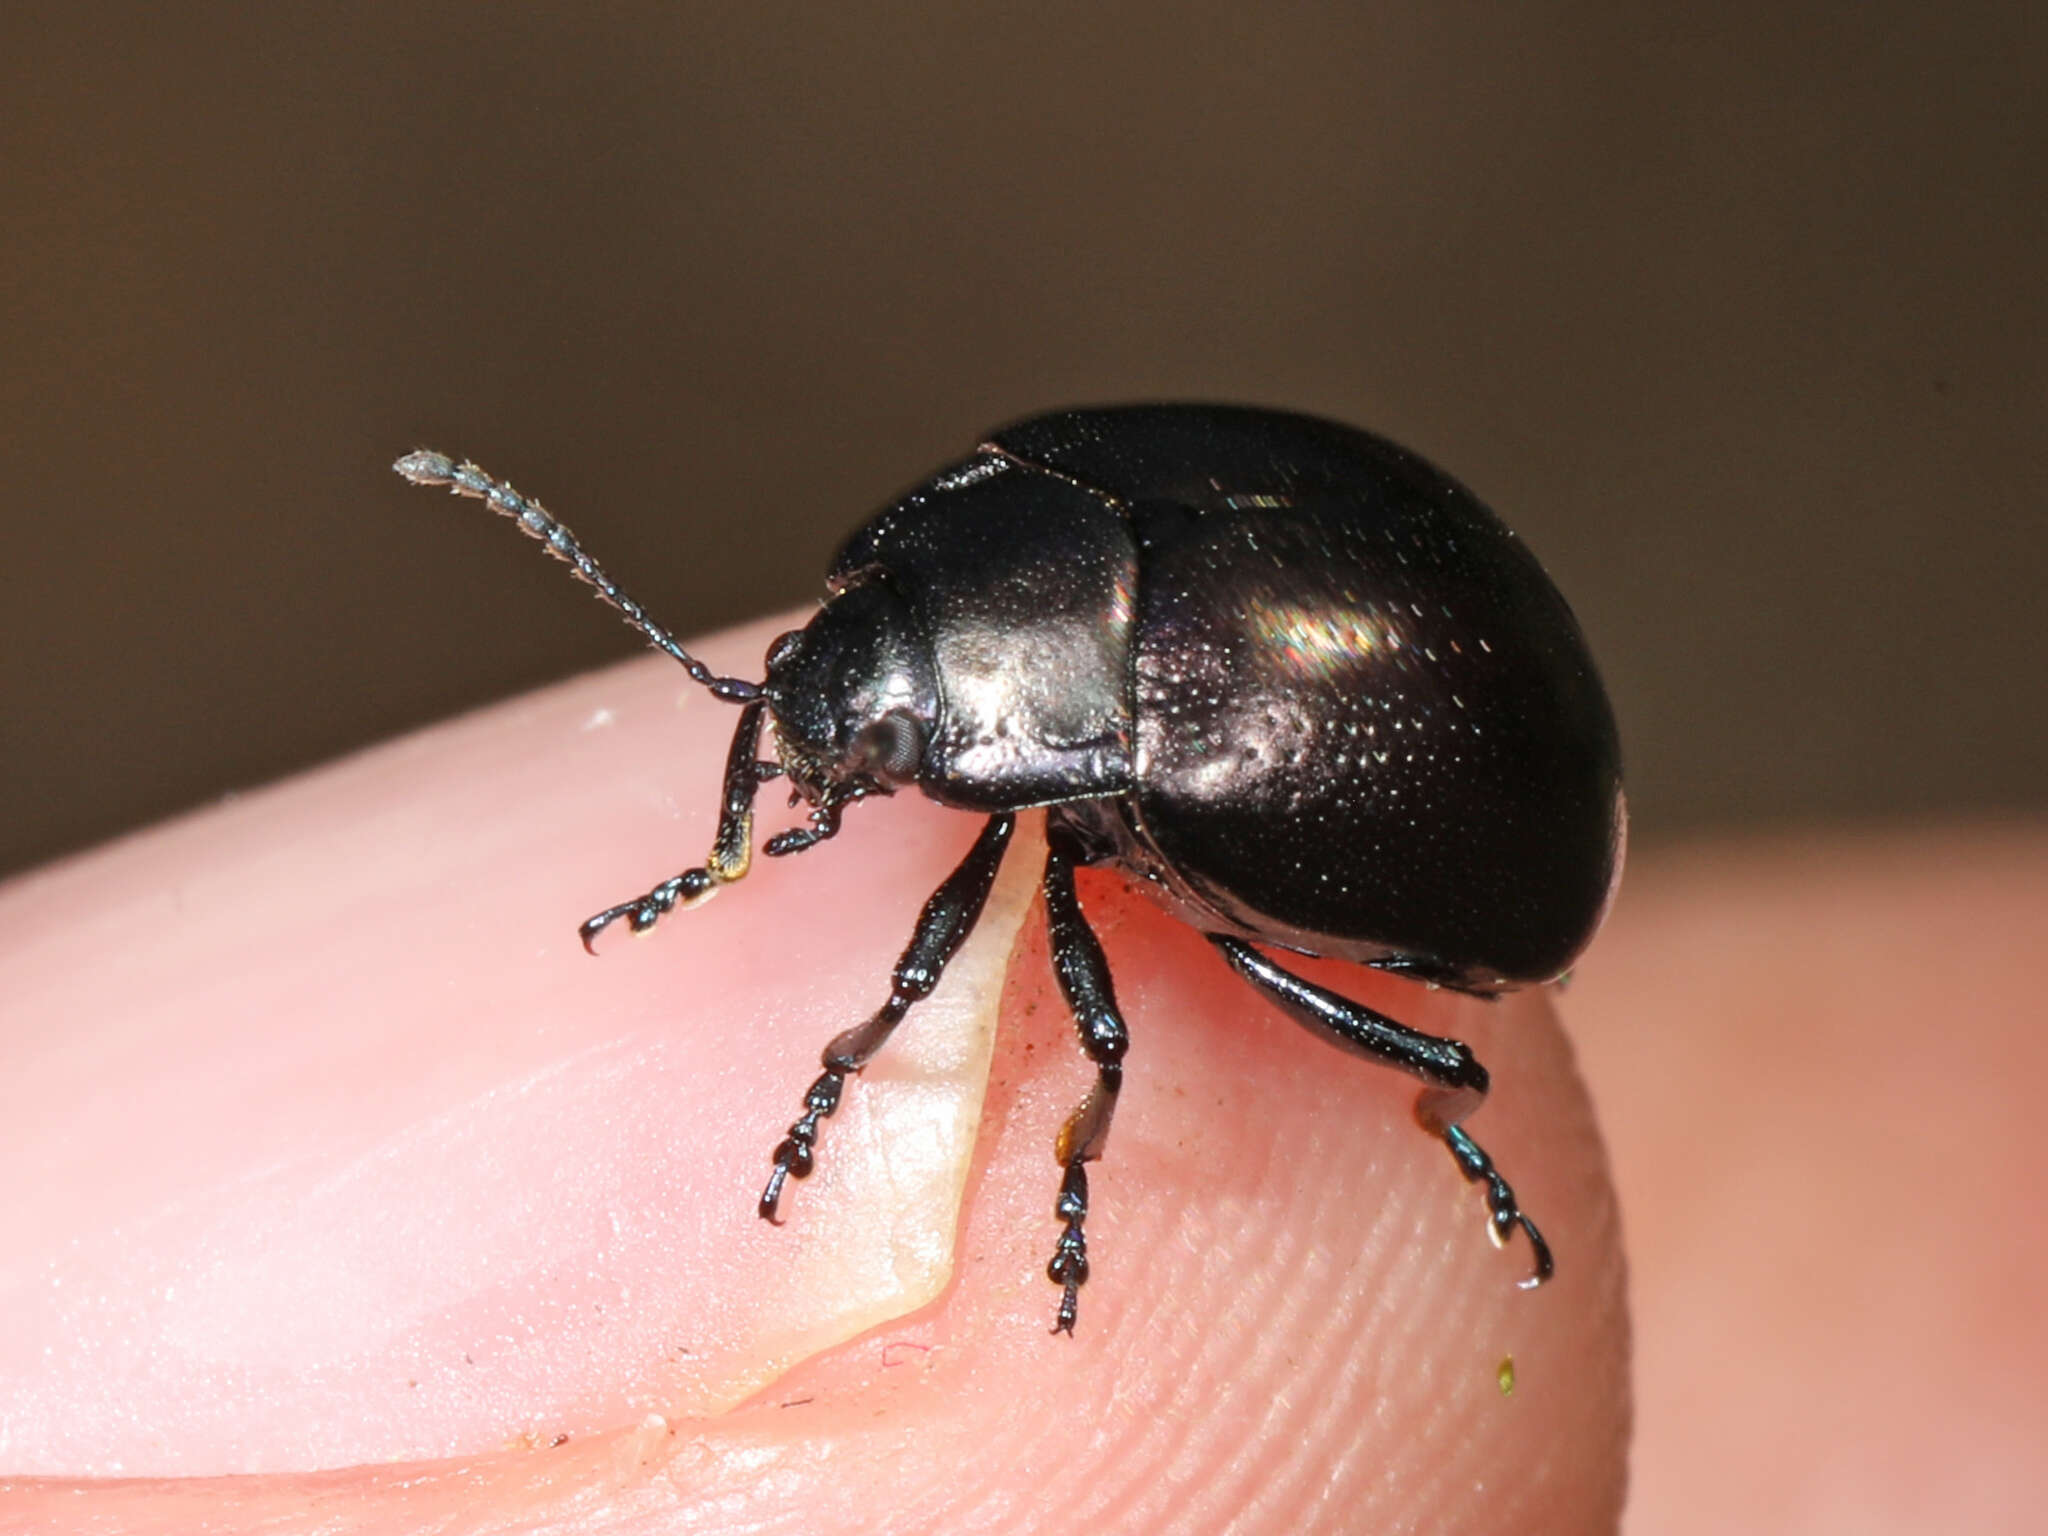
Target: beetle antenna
{"type": "Point", "coordinates": [425, 467]}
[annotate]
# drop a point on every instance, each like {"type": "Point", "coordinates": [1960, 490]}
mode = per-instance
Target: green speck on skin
{"type": "Point", "coordinates": [1504, 1373]}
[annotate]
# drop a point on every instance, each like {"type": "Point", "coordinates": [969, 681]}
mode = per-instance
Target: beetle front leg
{"type": "Point", "coordinates": [1457, 1082]}
{"type": "Point", "coordinates": [1084, 979]}
{"type": "Point", "coordinates": [942, 927]}
{"type": "Point", "coordinates": [732, 846]}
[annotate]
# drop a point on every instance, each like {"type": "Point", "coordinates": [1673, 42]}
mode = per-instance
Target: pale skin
{"type": "Point", "coordinates": [1295, 1322]}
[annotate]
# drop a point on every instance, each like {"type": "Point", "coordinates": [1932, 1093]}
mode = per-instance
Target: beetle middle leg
{"type": "Point", "coordinates": [732, 846]}
{"type": "Point", "coordinates": [1457, 1083]}
{"type": "Point", "coordinates": [1083, 974]}
{"type": "Point", "coordinates": [942, 927]}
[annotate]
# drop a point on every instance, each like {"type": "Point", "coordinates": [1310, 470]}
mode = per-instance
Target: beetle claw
{"type": "Point", "coordinates": [1545, 1265]}
{"type": "Point", "coordinates": [772, 1195]}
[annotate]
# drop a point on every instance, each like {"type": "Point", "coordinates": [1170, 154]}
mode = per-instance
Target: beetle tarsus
{"type": "Point", "coordinates": [1504, 1212]}
{"type": "Point", "coordinates": [795, 1156]}
{"type": "Point", "coordinates": [731, 844]}
{"type": "Point", "coordinates": [824, 819]}
{"type": "Point", "coordinates": [687, 889]}
{"type": "Point", "coordinates": [1069, 1266]}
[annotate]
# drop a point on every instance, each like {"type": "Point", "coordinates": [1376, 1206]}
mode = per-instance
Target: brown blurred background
{"type": "Point", "coordinates": [1738, 313]}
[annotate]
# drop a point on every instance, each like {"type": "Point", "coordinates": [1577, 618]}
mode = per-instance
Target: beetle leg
{"type": "Point", "coordinates": [942, 927]}
{"type": "Point", "coordinates": [732, 846]}
{"type": "Point", "coordinates": [1084, 979]}
{"type": "Point", "coordinates": [824, 819]}
{"type": "Point", "coordinates": [1456, 1081]}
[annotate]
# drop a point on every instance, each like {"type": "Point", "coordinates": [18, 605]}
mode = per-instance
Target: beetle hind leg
{"type": "Point", "coordinates": [1084, 979]}
{"type": "Point", "coordinates": [1456, 1082]}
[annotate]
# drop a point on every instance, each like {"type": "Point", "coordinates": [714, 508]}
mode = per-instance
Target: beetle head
{"type": "Point", "coordinates": [853, 696]}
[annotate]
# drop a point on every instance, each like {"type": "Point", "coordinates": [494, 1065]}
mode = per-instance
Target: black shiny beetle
{"type": "Point", "coordinates": [1295, 681]}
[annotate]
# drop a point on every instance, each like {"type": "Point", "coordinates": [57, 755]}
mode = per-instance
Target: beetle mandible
{"type": "Point", "coordinates": [1295, 682]}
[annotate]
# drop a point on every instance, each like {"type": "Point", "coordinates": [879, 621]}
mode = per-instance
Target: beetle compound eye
{"type": "Point", "coordinates": [892, 747]}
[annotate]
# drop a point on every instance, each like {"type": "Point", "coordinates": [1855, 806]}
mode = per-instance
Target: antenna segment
{"type": "Point", "coordinates": [426, 467]}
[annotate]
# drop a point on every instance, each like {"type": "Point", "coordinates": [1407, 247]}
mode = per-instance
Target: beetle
{"type": "Point", "coordinates": [1286, 676]}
